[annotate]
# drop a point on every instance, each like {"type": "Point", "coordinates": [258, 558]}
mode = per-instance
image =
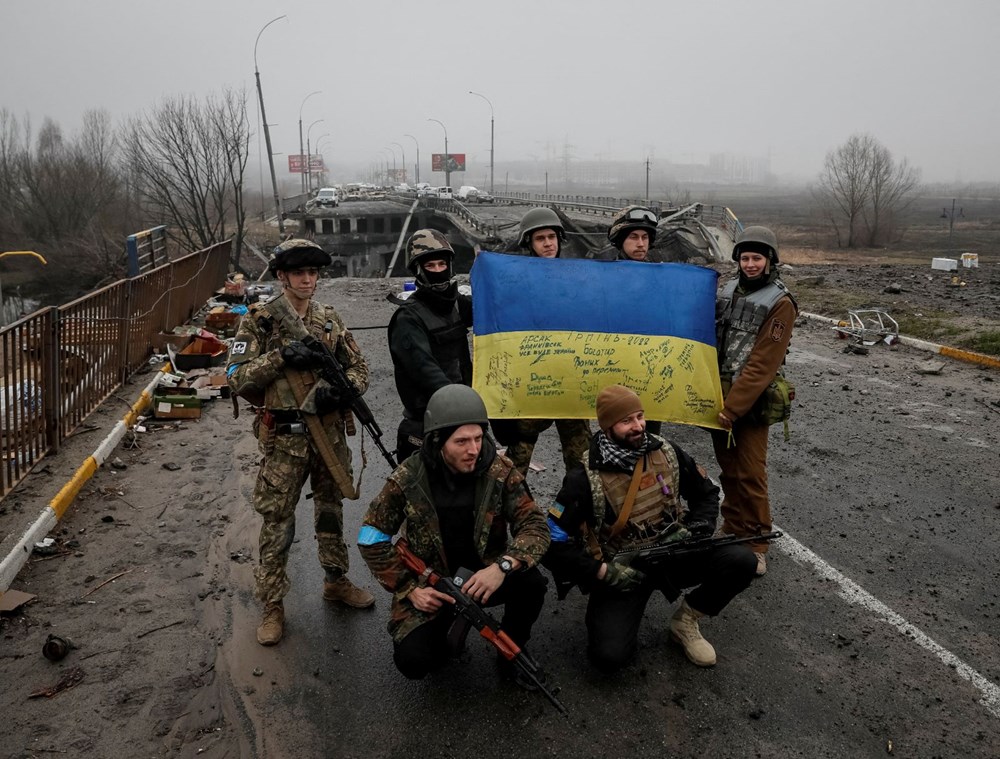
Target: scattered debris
{"type": "Point", "coordinates": [157, 629]}
{"type": "Point", "coordinates": [869, 326]}
{"type": "Point", "coordinates": [257, 672]}
{"type": "Point", "coordinates": [171, 466]}
{"type": "Point", "coordinates": [110, 579]}
{"type": "Point", "coordinates": [860, 350]}
{"type": "Point", "coordinates": [931, 367]}
{"type": "Point", "coordinates": [46, 547]}
{"type": "Point", "coordinates": [55, 648]}
{"type": "Point", "coordinates": [12, 600]}
{"type": "Point", "coordinates": [70, 678]}
{"type": "Point", "coordinates": [117, 463]}
{"type": "Point", "coordinates": [893, 289]}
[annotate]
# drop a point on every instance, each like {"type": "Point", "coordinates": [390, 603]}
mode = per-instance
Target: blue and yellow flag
{"type": "Point", "coordinates": [549, 334]}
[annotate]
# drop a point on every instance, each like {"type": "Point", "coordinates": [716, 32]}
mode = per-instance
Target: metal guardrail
{"type": "Point", "coordinates": [146, 250]}
{"type": "Point", "coordinates": [59, 364]}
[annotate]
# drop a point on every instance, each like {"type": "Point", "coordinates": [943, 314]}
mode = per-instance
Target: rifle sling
{"type": "Point", "coordinates": [320, 439]}
{"type": "Point", "coordinates": [633, 490]}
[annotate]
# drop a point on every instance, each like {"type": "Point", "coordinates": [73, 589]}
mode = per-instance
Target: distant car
{"type": "Point", "coordinates": [446, 193]}
{"type": "Point", "coordinates": [427, 192]}
{"type": "Point", "coordinates": [353, 195]}
{"type": "Point", "coordinates": [328, 196]}
{"type": "Point", "coordinates": [484, 197]}
{"type": "Point", "coordinates": [468, 193]}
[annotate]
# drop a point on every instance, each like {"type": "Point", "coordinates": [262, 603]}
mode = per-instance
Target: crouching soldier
{"type": "Point", "coordinates": [629, 493]}
{"type": "Point", "coordinates": [461, 505]}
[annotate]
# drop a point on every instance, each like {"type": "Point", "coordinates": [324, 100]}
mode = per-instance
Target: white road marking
{"type": "Point", "coordinates": [853, 593]}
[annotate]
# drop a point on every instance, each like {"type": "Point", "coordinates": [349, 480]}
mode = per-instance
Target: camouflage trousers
{"type": "Point", "coordinates": [574, 436]}
{"type": "Point", "coordinates": [280, 480]}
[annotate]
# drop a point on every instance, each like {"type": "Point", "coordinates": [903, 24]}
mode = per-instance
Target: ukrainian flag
{"type": "Point", "coordinates": [549, 334]}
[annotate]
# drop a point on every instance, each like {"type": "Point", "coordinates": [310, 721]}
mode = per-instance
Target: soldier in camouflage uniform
{"type": "Point", "coordinates": [455, 498]}
{"type": "Point", "coordinates": [754, 314]}
{"type": "Point", "coordinates": [428, 334]}
{"type": "Point", "coordinates": [629, 493]}
{"type": "Point", "coordinates": [269, 369]}
{"type": "Point", "coordinates": [542, 234]}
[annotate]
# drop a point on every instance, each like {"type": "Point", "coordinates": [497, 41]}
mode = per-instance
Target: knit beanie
{"type": "Point", "coordinates": [614, 403]}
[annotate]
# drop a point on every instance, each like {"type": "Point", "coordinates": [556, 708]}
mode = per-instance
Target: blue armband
{"type": "Point", "coordinates": [559, 535]}
{"type": "Point", "coordinates": [369, 536]}
{"type": "Point", "coordinates": [230, 369]}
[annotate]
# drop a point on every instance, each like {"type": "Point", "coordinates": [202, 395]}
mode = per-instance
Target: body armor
{"type": "Point", "coordinates": [449, 342]}
{"type": "Point", "coordinates": [738, 322]}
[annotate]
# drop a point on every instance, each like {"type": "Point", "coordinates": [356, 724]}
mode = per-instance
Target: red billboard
{"type": "Point", "coordinates": [447, 161]}
{"type": "Point", "coordinates": [296, 161]}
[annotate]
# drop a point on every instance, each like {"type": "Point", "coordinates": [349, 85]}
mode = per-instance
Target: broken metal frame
{"type": "Point", "coordinates": [869, 326]}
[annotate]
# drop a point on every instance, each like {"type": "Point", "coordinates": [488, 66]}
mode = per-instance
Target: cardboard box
{"type": "Point", "coordinates": [198, 353]}
{"type": "Point", "coordinates": [944, 264]}
{"type": "Point", "coordinates": [222, 321]}
{"type": "Point", "coordinates": [176, 403]}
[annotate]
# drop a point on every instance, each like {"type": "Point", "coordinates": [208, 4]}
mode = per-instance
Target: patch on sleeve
{"type": "Point", "coordinates": [556, 509]}
{"type": "Point", "coordinates": [239, 348]}
{"type": "Point", "coordinates": [351, 344]}
{"type": "Point", "coordinates": [777, 330]}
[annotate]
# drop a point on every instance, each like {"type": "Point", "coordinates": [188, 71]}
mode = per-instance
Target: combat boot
{"type": "Point", "coordinates": [273, 625]}
{"type": "Point", "coordinates": [347, 593]}
{"type": "Point", "coordinates": [684, 630]}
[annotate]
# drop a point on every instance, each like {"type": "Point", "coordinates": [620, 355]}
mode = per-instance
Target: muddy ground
{"type": "Point", "coordinates": [166, 664]}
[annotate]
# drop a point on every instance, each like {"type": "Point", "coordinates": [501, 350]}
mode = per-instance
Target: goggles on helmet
{"type": "Point", "coordinates": [641, 214]}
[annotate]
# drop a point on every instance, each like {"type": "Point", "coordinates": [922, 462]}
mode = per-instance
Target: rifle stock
{"type": "Point", "coordinates": [487, 626]}
{"type": "Point", "coordinates": [654, 554]}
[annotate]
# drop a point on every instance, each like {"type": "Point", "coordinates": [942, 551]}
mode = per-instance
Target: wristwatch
{"type": "Point", "coordinates": [505, 564]}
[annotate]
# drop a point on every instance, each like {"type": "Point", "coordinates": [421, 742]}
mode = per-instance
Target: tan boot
{"type": "Point", "coordinates": [761, 566]}
{"type": "Point", "coordinates": [346, 592]}
{"type": "Point", "coordinates": [684, 630]}
{"type": "Point", "coordinates": [273, 626]}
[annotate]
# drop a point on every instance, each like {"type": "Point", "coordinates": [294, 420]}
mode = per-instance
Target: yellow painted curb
{"type": "Point", "coordinates": [971, 356]}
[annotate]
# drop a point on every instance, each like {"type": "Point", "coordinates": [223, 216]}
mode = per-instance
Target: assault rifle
{"type": "Point", "coordinates": [330, 369]}
{"type": "Point", "coordinates": [487, 626]}
{"type": "Point", "coordinates": [640, 557]}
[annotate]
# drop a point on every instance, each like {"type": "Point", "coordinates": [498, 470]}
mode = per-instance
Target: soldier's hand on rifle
{"type": "Point", "coordinates": [620, 577]}
{"type": "Point", "coordinates": [298, 356]}
{"type": "Point", "coordinates": [700, 529]}
{"type": "Point", "coordinates": [428, 600]}
{"type": "Point", "coordinates": [484, 583]}
{"type": "Point", "coordinates": [328, 399]}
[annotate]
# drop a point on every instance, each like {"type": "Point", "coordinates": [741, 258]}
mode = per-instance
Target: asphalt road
{"type": "Point", "coordinates": [875, 631]}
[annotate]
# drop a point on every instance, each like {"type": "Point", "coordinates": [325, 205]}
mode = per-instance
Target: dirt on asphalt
{"type": "Point", "coordinates": [153, 572]}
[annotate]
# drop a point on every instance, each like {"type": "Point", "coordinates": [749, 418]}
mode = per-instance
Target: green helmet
{"type": "Point", "coordinates": [453, 406]}
{"type": "Point", "coordinates": [427, 243]}
{"type": "Point", "coordinates": [297, 253]}
{"type": "Point", "coordinates": [757, 239]}
{"type": "Point", "coordinates": [629, 219]}
{"type": "Point", "coordinates": [540, 218]}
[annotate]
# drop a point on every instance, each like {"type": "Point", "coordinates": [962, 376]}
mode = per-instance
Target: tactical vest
{"type": "Point", "coordinates": [652, 509]}
{"type": "Point", "coordinates": [449, 341]}
{"type": "Point", "coordinates": [738, 321]}
{"type": "Point", "coordinates": [278, 395]}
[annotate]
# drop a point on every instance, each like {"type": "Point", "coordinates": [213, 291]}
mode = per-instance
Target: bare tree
{"type": "Point", "coordinates": [187, 160]}
{"type": "Point", "coordinates": [862, 191]}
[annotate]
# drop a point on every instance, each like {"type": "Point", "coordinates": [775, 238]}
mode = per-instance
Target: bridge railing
{"type": "Point", "coordinates": [59, 364]}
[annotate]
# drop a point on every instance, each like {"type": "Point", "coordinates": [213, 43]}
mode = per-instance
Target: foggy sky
{"type": "Point", "coordinates": [613, 80]}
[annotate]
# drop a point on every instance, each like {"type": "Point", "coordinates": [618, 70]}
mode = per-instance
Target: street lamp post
{"type": "Point", "coordinates": [391, 152]}
{"type": "Point", "coordinates": [301, 144]}
{"type": "Point", "coordinates": [309, 176]}
{"type": "Point", "coordinates": [447, 165]}
{"type": "Point", "coordinates": [416, 166]}
{"type": "Point", "coordinates": [267, 132]}
{"type": "Point", "coordinates": [491, 134]}
{"type": "Point", "coordinates": [950, 216]}
{"type": "Point", "coordinates": [403, 154]}
{"type": "Point", "coordinates": [319, 152]}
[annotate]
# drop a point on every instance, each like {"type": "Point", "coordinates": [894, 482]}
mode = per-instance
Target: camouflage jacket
{"type": "Point", "coordinates": [502, 501]}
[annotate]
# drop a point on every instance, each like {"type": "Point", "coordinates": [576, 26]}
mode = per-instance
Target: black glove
{"type": "Point", "coordinates": [298, 356]}
{"type": "Point", "coordinates": [327, 399]}
{"type": "Point", "coordinates": [700, 529]}
{"type": "Point", "coordinates": [622, 577]}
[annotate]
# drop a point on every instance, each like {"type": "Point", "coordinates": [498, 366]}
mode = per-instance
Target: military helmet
{"type": "Point", "coordinates": [540, 218]}
{"type": "Point", "coordinates": [427, 244]}
{"type": "Point", "coordinates": [297, 253]}
{"type": "Point", "coordinates": [757, 239]}
{"type": "Point", "coordinates": [629, 219]}
{"type": "Point", "coordinates": [453, 406]}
